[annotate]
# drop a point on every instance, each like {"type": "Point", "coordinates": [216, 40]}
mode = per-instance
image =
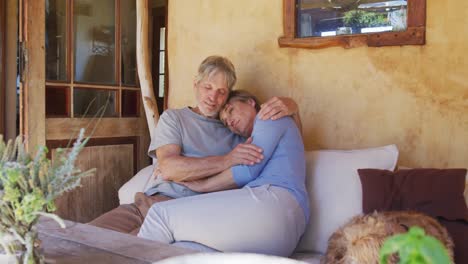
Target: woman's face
{"type": "Point", "coordinates": [239, 117]}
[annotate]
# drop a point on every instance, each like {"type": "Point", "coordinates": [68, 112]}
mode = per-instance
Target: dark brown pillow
{"type": "Point", "coordinates": [436, 192]}
{"type": "Point", "coordinates": [458, 230]}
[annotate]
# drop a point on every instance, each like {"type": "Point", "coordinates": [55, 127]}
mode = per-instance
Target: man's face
{"type": "Point", "coordinates": [239, 117]}
{"type": "Point", "coordinates": [211, 93]}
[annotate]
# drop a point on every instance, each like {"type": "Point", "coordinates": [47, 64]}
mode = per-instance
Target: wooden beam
{"type": "Point", "coordinates": [11, 68]}
{"type": "Point", "coordinates": [143, 65]}
{"type": "Point", "coordinates": [81, 243]}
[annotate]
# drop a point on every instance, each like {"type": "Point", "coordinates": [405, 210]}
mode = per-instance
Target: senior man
{"type": "Point", "coordinates": [191, 143]}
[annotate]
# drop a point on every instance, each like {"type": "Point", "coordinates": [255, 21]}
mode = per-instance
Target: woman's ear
{"type": "Point", "coordinates": [251, 102]}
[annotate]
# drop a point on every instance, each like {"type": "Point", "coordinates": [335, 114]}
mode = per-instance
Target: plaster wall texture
{"type": "Point", "coordinates": [414, 96]}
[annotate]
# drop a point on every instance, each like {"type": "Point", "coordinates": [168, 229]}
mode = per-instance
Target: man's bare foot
{"type": "Point", "coordinates": [144, 202]}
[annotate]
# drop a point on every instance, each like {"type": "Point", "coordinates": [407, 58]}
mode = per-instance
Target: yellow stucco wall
{"type": "Point", "coordinates": [414, 96]}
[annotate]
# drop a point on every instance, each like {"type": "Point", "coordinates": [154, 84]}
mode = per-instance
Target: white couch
{"type": "Point", "coordinates": [334, 191]}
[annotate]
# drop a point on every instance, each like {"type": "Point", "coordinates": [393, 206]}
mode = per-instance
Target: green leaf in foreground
{"type": "Point", "coordinates": [414, 247]}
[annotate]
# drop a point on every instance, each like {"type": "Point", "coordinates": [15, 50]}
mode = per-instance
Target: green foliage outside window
{"type": "Point", "coordinates": [362, 19]}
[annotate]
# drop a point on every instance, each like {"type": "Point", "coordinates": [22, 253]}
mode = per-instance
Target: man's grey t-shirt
{"type": "Point", "coordinates": [198, 137]}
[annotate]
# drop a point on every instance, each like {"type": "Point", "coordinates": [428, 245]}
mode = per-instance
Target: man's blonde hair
{"type": "Point", "coordinates": [214, 64]}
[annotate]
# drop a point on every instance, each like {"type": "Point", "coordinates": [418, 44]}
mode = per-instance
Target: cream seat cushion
{"type": "Point", "coordinates": [334, 187]}
{"type": "Point", "coordinates": [141, 182]}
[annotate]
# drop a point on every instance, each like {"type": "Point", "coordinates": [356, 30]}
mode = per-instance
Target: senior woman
{"type": "Point", "coordinates": [267, 215]}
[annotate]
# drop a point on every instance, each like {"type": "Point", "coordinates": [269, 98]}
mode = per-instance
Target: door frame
{"type": "Point", "coordinates": [160, 11]}
{"type": "Point", "coordinates": [2, 65]}
{"type": "Point", "coordinates": [32, 83]}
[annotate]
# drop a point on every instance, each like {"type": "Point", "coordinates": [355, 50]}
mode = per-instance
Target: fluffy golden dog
{"type": "Point", "coordinates": [360, 240]}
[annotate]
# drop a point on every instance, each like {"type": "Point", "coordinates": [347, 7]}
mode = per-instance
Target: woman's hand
{"type": "Point", "coordinates": [156, 172]}
{"type": "Point", "coordinates": [196, 186]}
{"type": "Point", "coordinates": [278, 107]}
{"type": "Point", "coordinates": [244, 154]}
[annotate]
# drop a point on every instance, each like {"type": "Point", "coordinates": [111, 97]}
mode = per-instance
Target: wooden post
{"type": "Point", "coordinates": [143, 65]}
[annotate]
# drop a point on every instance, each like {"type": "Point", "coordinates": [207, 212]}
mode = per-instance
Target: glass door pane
{"type": "Point", "coordinates": [94, 41]}
{"type": "Point", "coordinates": [89, 102]}
{"type": "Point", "coordinates": [56, 40]}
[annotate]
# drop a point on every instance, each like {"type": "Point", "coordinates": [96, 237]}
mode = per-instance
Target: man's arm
{"type": "Point", "coordinates": [277, 107]}
{"type": "Point", "coordinates": [220, 182]}
{"type": "Point", "coordinates": [238, 176]}
{"type": "Point", "coordinates": [175, 167]}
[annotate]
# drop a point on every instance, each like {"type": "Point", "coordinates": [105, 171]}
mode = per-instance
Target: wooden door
{"type": "Point", "coordinates": [80, 64]}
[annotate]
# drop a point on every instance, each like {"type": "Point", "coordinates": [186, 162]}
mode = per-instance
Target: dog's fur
{"type": "Point", "coordinates": [360, 240]}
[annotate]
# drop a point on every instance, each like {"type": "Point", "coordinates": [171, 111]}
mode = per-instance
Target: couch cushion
{"type": "Point", "coordinates": [138, 183]}
{"type": "Point", "coordinates": [436, 192]}
{"type": "Point", "coordinates": [466, 189]}
{"type": "Point", "coordinates": [334, 188]}
{"type": "Point", "coordinates": [307, 257]}
{"type": "Point", "coordinates": [458, 230]}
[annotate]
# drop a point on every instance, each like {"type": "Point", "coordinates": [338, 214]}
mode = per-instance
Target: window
{"type": "Point", "coordinates": [353, 23]}
{"type": "Point", "coordinates": [91, 58]}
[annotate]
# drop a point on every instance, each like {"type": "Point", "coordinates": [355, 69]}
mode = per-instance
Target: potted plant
{"type": "Point", "coordinates": [28, 189]}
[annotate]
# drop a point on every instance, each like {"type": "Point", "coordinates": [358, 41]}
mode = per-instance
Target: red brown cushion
{"type": "Point", "coordinates": [436, 192]}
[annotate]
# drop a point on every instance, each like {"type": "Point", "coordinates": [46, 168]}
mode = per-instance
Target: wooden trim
{"type": "Point", "coordinates": [53, 144]}
{"type": "Point", "coordinates": [25, 18]}
{"type": "Point", "coordinates": [2, 65]}
{"type": "Point", "coordinates": [166, 58]}
{"type": "Point", "coordinates": [11, 66]}
{"type": "Point", "coordinates": [63, 128]}
{"type": "Point", "coordinates": [20, 21]}
{"type": "Point", "coordinates": [118, 55]}
{"type": "Point", "coordinates": [414, 35]}
{"type": "Point", "coordinates": [323, 42]}
{"type": "Point", "coordinates": [72, 55]}
{"type": "Point", "coordinates": [417, 9]}
{"type": "Point", "coordinates": [118, 59]}
{"type": "Point", "coordinates": [68, 34]}
{"type": "Point", "coordinates": [97, 86]}
{"type": "Point", "coordinates": [34, 73]}
{"type": "Point", "coordinates": [289, 11]}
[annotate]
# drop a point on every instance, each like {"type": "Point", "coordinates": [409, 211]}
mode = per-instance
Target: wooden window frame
{"type": "Point", "coordinates": [70, 82]}
{"type": "Point", "coordinates": [415, 33]}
